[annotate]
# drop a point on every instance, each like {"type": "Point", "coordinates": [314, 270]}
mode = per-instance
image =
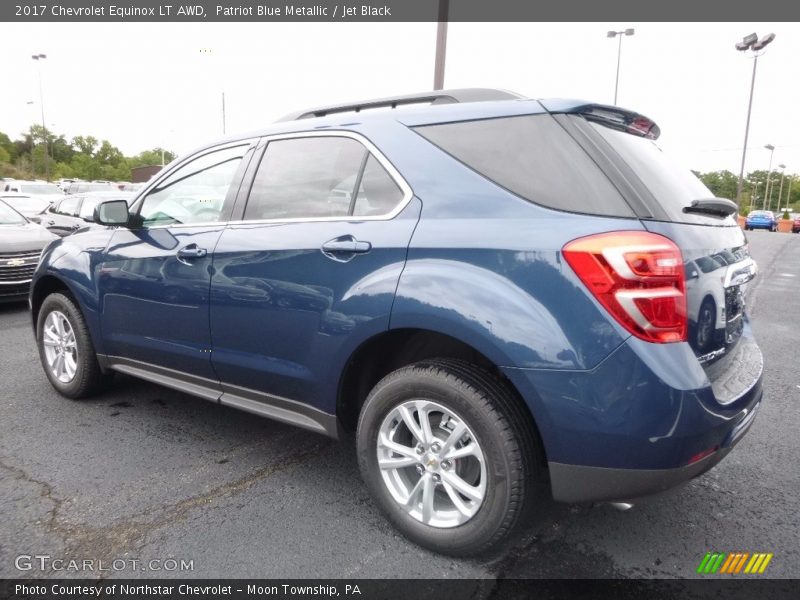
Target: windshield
{"type": "Point", "coordinates": [673, 185]}
{"type": "Point", "coordinates": [8, 216]}
{"type": "Point", "coordinates": [40, 188]}
{"type": "Point", "coordinates": [761, 214]}
{"type": "Point", "coordinates": [27, 205]}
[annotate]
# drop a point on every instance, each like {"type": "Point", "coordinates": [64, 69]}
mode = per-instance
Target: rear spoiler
{"type": "Point", "coordinates": [617, 118]}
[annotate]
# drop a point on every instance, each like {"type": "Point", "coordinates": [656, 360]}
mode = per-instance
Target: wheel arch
{"type": "Point", "coordinates": [42, 288]}
{"type": "Point", "coordinates": [390, 350]}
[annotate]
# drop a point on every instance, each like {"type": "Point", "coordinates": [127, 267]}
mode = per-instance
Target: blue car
{"type": "Point", "coordinates": [761, 219]}
{"type": "Point", "coordinates": [490, 292]}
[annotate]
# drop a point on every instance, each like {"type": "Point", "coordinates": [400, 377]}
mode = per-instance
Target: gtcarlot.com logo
{"type": "Point", "coordinates": [734, 563]}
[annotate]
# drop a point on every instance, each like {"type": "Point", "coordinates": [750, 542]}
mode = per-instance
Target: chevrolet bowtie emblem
{"type": "Point", "coordinates": [15, 262]}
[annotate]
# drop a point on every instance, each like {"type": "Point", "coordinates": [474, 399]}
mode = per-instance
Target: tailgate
{"type": "Point", "coordinates": [718, 269]}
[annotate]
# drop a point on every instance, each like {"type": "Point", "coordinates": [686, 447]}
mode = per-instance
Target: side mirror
{"type": "Point", "coordinates": [113, 212]}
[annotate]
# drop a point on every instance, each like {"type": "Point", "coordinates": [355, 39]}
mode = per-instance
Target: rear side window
{"type": "Point", "coordinates": [533, 157]}
{"type": "Point", "coordinates": [69, 206]}
{"type": "Point", "coordinates": [378, 193]}
{"type": "Point", "coordinates": [673, 185]}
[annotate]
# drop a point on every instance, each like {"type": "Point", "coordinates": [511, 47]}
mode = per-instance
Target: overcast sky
{"type": "Point", "coordinates": [144, 85]}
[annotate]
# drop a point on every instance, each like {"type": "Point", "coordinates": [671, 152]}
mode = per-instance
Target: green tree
{"type": "Point", "coordinates": [108, 154]}
{"type": "Point", "coordinates": [85, 145]}
{"type": "Point", "coordinates": [7, 145]}
{"type": "Point", "coordinates": [722, 184]}
{"type": "Point", "coordinates": [84, 157]}
{"type": "Point", "coordinates": [61, 150]}
{"type": "Point", "coordinates": [152, 157]}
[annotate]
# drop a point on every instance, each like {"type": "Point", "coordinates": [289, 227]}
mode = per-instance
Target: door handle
{"type": "Point", "coordinates": [192, 251]}
{"type": "Point", "coordinates": [344, 248]}
{"type": "Point", "coordinates": [51, 222]}
{"type": "Point", "coordinates": [76, 226]}
{"type": "Point", "coordinates": [348, 246]}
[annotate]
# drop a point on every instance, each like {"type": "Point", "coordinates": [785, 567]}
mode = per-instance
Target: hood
{"type": "Point", "coordinates": [24, 238]}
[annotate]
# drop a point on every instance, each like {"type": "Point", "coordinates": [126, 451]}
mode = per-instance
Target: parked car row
{"type": "Point", "coordinates": [76, 211]}
{"type": "Point", "coordinates": [21, 244]}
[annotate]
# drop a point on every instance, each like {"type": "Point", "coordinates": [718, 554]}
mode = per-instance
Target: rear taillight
{"type": "Point", "coordinates": [638, 277]}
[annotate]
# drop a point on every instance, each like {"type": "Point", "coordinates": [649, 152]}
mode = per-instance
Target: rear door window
{"type": "Point", "coordinates": [533, 157]}
{"type": "Point", "coordinates": [319, 178]}
{"type": "Point", "coordinates": [69, 206]}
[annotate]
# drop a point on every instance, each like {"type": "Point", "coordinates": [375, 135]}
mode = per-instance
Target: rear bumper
{"type": "Point", "coordinates": [576, 483]}
{"type": "Point", "coordinates": [636, 424]}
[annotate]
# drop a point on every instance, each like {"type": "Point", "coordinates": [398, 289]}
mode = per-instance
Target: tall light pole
{"type": "Point", "coordinates": [767, 190]}
{"type": "Point", "coordinates": [38, 58]}
{"type": "Point", "coordinates": [754, 196]}
{"type": "Point", "coordinates": [618, 34]}
{"type": "Point", "coordinates": [441, 45]}
{"type": "Point", "coordinates": [780, 190]}
{"type": "Point", "coordinates": [755, 45]}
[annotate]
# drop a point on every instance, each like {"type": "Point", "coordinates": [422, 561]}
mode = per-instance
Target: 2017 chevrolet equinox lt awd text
{"type": "Point", "coordinates": [502, 298]}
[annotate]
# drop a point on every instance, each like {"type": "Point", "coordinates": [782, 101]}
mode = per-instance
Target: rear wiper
{"type": "Point", "coordinates": [719, 207]}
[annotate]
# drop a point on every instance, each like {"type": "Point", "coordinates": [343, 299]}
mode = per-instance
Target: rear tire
{"type": "Point", "coordinates": [66, 350]}
{"type": "Point", "coordinates": [458, 496]}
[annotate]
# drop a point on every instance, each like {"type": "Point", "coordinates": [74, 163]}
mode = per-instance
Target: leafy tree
{"type": "Point", "coordinates": [722, 184]}
{"type": "Point", "coordinates": [85, 145]}
{"type": "Point", "coordinates": [7, 145]}
{"type": "Point", "coordinates": [152, 157]}
{"type": "Point", "coordinates": [61, 150]}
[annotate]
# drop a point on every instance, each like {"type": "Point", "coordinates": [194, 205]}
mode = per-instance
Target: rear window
{"type": "Point", "coordinates": [673, 185]}
{"type": "Point", "coordinates": [533, 157]}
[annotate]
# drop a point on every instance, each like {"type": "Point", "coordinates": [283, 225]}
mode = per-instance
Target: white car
{"type": "Point", "coordinates": [49, 192]}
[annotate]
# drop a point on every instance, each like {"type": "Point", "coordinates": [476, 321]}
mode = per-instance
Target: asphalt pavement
{"type": "Point", "coordinates": [142, 473]}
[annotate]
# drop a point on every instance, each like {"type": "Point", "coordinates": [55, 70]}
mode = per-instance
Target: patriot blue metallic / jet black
{"type": "Point", "coordinates": [502, 297]}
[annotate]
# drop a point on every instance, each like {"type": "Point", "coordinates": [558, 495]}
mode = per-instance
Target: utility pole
{"type": "Point", "coordinates": [38, 58]}
{"type": "Point", "coordinates": [441, 45]}
{"type": "Point", "coordinates": [223, 113]}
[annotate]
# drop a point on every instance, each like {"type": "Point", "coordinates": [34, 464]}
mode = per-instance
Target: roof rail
{"type": "Point", "coordinates": [435, 97]}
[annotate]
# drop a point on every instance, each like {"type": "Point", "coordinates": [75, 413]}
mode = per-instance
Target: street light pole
{"type": "Point", "coordinates": [754, 196]}
{"type": "Point", "coordinates": [38, 58]}
{"type": "Point", "coordinates": [752, 43]}
{"type": "Point", "coordinates": [780, 190]}
{"type": "Point", "coordinates": [767, 190]}
{"type": "Point", "coordinates": [619, 34]}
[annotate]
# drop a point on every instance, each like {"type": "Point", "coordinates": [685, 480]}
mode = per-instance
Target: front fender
{"type": "Point", "coordinates": [74, 261]}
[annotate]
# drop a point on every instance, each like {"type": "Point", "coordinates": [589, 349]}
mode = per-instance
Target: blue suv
{"type": "Point", "coordinates": [499, 296]}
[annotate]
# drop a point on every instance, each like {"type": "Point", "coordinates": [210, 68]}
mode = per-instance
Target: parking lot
{"type": "Point", "coordinates": [145, 473]}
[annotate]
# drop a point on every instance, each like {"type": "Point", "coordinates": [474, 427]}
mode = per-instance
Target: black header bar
{"type": "Point", "coordinates": [241, 11]}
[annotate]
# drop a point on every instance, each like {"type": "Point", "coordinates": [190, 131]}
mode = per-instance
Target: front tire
{"type": "Point", "coordinates": [446, 452]}
{"type": "Point", "coordinates": [65, 348]}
